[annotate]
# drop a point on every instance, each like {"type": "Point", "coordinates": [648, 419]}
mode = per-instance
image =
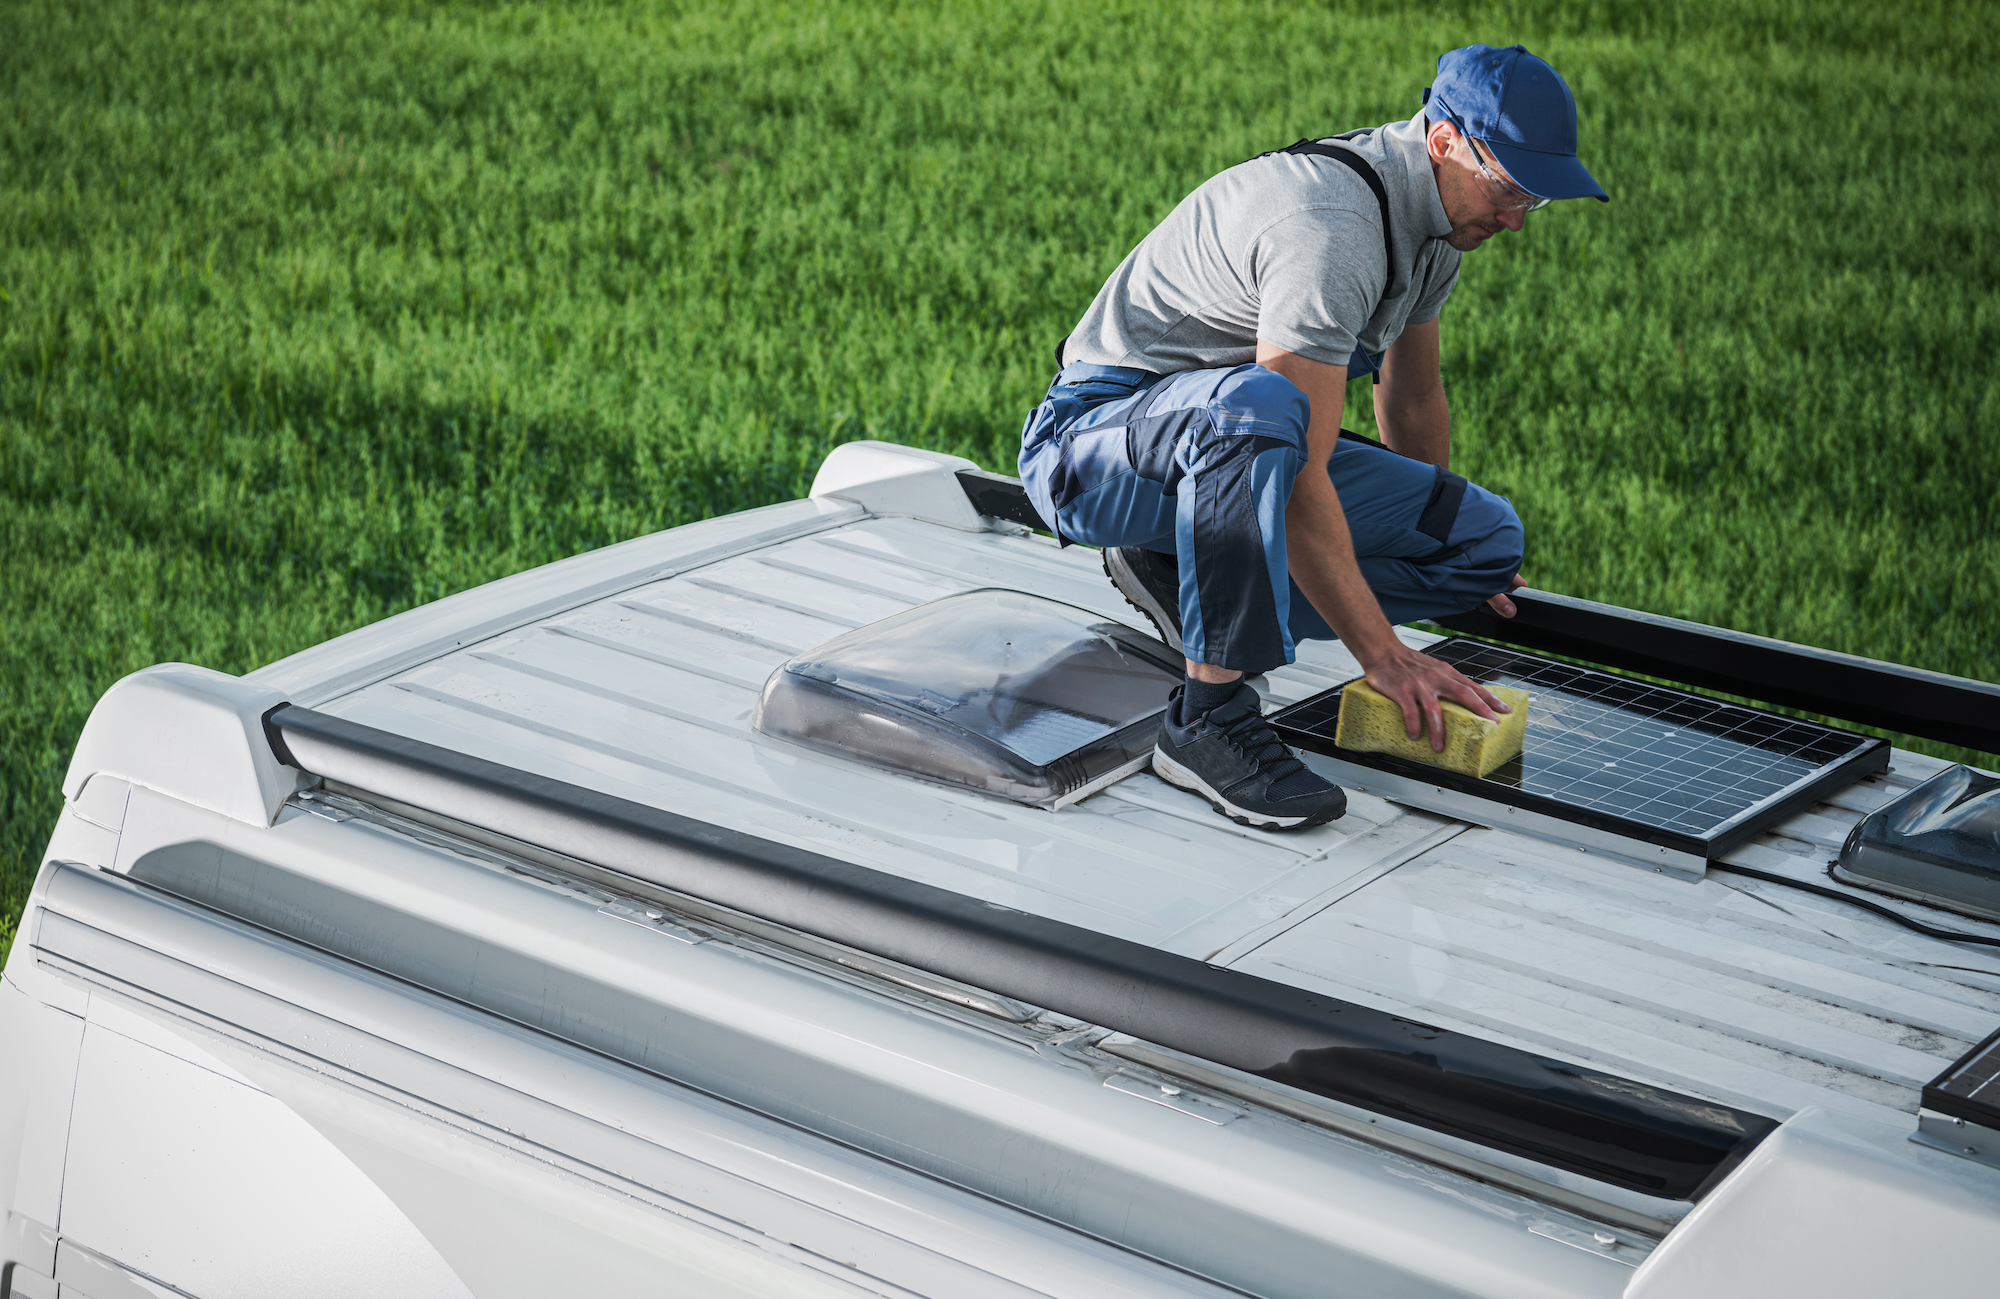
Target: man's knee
{"type": "Point", "coordinates": [1254, 400]}
{"type": "Point", "coordinates": [1490, 532]}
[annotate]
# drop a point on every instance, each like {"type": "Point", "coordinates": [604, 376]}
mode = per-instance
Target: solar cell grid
{"type": "Point", "coordinates": [1640, 755]}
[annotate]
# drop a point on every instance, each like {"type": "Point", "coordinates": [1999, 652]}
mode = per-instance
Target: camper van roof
{"type": "Point", "coordinates": [636, 671]}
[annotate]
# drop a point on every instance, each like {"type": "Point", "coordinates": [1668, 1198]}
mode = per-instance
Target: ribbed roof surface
{"type": "Point", "coordinates": [1741, 991]}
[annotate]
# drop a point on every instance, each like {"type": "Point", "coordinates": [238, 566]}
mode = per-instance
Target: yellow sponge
{"type": "Point", "coordinates": [1371, 722]}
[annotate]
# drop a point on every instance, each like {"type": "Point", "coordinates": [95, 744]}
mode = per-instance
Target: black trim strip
{"type": "Point", "coordinates": [1935, 705]}
{"type": "Point", "coordinates": [1597, 1124]}
{"type": "Point", "coordinates": [1000, 497]}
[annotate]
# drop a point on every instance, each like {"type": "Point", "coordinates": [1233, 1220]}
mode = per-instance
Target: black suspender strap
{"type": "Point", "coordinates": [1359, 166]}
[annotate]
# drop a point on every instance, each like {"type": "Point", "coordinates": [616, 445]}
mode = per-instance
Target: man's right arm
{"type": "Point", "coordinates": [1320, 554]}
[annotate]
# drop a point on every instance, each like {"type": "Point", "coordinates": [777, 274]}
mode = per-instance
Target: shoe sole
{"type": "Point", "coordinates": [1165, 625]}
{"type": "Point", "coordinates": [1184, 778]}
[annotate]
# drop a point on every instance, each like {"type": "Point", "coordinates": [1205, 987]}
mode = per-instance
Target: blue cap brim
{"type": "Point", "coordinates": [1546, 175]}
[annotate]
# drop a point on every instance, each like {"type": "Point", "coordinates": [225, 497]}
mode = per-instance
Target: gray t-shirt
{"type": "Point", "coordinates": [1286, 248]}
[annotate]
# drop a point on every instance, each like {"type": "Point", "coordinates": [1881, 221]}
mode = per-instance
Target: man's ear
{"type": "Point", "coordinates": [1440, 139]}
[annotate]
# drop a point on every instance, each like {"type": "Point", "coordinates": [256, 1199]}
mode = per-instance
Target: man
{"type": "Point", "coordinates": [1193, 431]}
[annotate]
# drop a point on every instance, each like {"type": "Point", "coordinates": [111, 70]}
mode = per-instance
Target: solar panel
{"type": "Point", "coordinates": [1645, 773]}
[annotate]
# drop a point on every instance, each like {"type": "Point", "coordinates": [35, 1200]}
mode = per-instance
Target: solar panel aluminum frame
{"type": "Point", "coordinates": [1960, 1114]}
{"type": "Point", "coordinates": [1604, 834]}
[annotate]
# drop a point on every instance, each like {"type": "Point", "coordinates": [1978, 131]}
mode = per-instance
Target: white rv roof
{"type": "Point", "coordinates": [635, 670]}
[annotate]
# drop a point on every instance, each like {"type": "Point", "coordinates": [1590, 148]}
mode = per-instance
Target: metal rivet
{"type": "Point", "coordinates": [1603, 1239]}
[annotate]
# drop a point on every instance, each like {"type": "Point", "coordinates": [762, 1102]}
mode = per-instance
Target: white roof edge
{"type": "Point", "coordinates": [895, 481]}
{"type": "Point", "coordinates": [191, 733]}
{"type": "Point", "coordinates": [1859, 1208]}
{"type": "Point", "coordinates": [367, 654]}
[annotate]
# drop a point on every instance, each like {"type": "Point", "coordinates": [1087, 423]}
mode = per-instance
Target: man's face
{"type": "Point", "coordinates": [1477, 209]}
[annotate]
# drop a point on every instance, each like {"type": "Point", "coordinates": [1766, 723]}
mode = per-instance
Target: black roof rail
{"type": "Point", "coordinates": [1614, 1129]}
{"type": "Point", "coordinates": [1934, 705]}
{"type": "Point", "coordinates": [1955, 710]}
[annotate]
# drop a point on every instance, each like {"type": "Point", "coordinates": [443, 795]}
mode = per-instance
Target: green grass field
{"type": "Point", "coordinates": [313, 312]}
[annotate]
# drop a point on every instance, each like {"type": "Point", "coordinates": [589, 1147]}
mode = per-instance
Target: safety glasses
{"type": "Point", "coordinates": [1503, 194]}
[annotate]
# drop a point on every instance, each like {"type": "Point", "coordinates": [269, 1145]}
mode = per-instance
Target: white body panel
{"type": "Point", "coordinates": [182, 1171]}
{"type": "Point", "coordinates": [200, 1104]}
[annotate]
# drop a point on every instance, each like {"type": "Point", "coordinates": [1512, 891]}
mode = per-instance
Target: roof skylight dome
{"type": "Point", "coordinates": [1004, 692]}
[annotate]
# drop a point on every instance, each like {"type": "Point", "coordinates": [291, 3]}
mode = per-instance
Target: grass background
{"type": "Point", "coordinates": [311, 312]}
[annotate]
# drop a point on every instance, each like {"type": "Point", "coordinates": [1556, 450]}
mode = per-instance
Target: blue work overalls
{"type": "Point", "coordinates": [1199, 465]}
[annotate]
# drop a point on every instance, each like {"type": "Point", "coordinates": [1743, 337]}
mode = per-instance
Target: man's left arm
{"type": "Point", "coordinates": [1415, 418]}
{"type": "Point", "coordinates": [1410, 406]}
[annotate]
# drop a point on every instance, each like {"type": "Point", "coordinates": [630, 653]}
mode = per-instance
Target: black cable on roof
{"type": "Point", "coordinates": [1948, 935]}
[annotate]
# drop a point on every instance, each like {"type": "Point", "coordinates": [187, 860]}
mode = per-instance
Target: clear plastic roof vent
{"type": "Point", "coordinates": [1939, 843]}
{"type": "Point", "coordinates": [1001, 691]}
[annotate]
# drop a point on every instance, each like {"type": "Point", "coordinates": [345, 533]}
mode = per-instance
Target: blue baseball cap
{"type": "Point", "coordinates": [1521, 109]}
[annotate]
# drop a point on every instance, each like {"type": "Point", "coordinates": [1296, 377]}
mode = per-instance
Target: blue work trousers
{"type": "Point", "coordinates": [1200, 464]}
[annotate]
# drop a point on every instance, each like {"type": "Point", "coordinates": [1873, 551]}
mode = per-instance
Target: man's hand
{"type": "Point", "coordinates": [1500, 604]}
{"type": "Point", "coordinates": [1417, 682]}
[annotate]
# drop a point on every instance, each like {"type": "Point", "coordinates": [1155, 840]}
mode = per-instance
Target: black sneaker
{"type": "Point", "coordinates": [1150, 583]}
{"type": "Point", "coordinates": [1231, 757]}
